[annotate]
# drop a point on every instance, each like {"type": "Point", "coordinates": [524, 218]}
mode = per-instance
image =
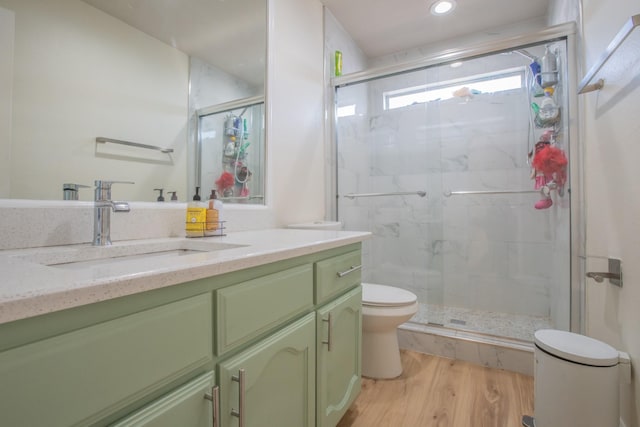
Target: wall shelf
{"type": "Point", "coordinates": [622, 48]}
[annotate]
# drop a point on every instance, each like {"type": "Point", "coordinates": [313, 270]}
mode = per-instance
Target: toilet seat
{"type": "Point", "coordinates": [576, 348]}
{"type": "Point", "coordinates": [386, 296]}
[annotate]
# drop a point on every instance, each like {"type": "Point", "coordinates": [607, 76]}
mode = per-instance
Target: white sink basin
{"type": "Point", "coordinates": [77, 257]}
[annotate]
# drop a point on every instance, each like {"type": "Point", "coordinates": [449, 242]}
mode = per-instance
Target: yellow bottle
{"type": "Point", "coordinates": [196, 217]}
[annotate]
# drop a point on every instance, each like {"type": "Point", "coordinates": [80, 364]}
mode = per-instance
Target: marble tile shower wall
{"type": "Point", "coordinates": [482, 252]}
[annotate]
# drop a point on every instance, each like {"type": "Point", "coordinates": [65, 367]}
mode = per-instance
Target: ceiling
{"type": "Point", "coordinates": [381, 27]}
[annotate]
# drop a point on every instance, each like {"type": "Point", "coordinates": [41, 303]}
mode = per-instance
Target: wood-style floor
{"type": "Point", "coordinates": [438, 392]}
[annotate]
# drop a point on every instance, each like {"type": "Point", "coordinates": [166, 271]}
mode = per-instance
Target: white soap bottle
{"type": "Point", "coordinates": [215, 222]}
{"type": "Point", "coordinates": [549, 112]}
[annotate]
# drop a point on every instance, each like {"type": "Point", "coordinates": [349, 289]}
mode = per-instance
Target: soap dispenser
{"type": "Point", "coordinates": [160, 196]}
{"type": "Point", "coordinates": [196, 216]}
{"type": "Point", "coordinates": [215, 223]}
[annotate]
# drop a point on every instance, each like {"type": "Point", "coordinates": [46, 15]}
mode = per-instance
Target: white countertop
{"type": "Point", "coordinates": [30, 287]}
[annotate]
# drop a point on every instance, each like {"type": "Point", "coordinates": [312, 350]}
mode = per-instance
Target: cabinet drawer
{"type": "Point", "coordinates": [337, 274]}
{"type": "Point", "coordinates": [185, 406]}
{"type": "Point", "coordinates": [249, 309]}
{"type": "Point", "coordinates": [83, 376]}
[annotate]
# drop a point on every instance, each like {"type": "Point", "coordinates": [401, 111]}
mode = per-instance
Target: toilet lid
{"type": "Point", "coordinates": [387, 296]}
{"type": "Point", "coordinates": [576, 348]}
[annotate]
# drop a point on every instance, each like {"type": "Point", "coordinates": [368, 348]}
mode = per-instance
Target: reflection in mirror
{"type": "Point", "coordinates": [128, 70]}
{"type": "Point", "coordinates": [230, 150]}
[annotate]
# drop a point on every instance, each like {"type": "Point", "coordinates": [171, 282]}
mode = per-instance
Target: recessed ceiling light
{"type": "Point", "coordinates": [442, 7]}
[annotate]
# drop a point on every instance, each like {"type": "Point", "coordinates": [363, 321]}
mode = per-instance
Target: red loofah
{"type": "Point", "coordinates": [225, 181]}
{"type": "Point", "coordinates": [552, 162]}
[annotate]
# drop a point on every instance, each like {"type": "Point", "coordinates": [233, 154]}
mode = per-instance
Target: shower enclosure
{"type": "Point", "coordinates": [436, 161]}
{"type": "Point", "coordinates": [229, 154]}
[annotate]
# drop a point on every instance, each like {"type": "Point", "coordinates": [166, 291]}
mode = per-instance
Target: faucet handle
{"type": "Point", "coordinates": [70, 186]}
{"type": "Point", "coordinates": [103, 188]}
{"type": "Point", "coordinates": [107, 184]}
{"type": "Point", "coordinates": [70, 190]}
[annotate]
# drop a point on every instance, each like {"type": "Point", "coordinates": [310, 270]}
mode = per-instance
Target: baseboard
{"type": "Point", "coordinates": [484, 350]}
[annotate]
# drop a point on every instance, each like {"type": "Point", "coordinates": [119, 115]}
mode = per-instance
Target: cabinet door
{"type": "Point", "coordinates": [339, 332]}
{"type": "Point", "coordinates": [186, 406]}
{"type": "Point", "coordinates": [279, 380]}
{"type": "Point", "coordinates": [84, 376]}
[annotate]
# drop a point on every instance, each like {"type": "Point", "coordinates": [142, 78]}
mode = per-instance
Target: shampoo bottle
{"type": "Point", "coordinates": [549, 68]}
{"type": "Point", "coordinates": [549, 112]}
{"type": "Point", "coordinates": [196, 216]}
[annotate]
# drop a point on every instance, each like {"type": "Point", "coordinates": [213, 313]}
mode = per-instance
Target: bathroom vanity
{"type": "Point", "coordinates": [266, 326]}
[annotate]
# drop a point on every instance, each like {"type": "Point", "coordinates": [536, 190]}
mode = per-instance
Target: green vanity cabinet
{"type": "Point", "coordinates": [189, 406]}
{"type": "Point", "coordinates": [247, 343]}
{"type": "Point", "coordinates": [84, 376]}
{"type": "Point", "coordinates": [339, 325]}
{"type": "Point", "coordinates": [272, 383]}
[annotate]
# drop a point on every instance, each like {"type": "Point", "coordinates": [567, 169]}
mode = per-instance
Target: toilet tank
{"type": "Point", "coordinates": [318, 225]}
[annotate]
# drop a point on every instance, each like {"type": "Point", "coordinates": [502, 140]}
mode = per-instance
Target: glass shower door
{"type": "Point", "coordinates": [488, 249]}
{"type": "Point", "coordinates": [386, 170]}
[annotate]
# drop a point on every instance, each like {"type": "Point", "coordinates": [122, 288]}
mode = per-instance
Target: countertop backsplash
{"type": "Point", "coordinates": [38, 223]}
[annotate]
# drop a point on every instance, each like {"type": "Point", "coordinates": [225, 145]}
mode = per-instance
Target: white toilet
{"type": "Point", "coordinates": [576, 381]}
{"type": "Point", "coordinates": [384, 308]}
{"type": "Point", "coordinates": [317, 225]}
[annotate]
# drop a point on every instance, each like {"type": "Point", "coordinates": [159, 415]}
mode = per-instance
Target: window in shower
{"type": "Point", "coordinates": [487, 83]}
{"type": "Point", "coordinates": [477, 253]}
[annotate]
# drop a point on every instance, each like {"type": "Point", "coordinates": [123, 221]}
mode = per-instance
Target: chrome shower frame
{"type": "Point", "coordinates": [576, 155]}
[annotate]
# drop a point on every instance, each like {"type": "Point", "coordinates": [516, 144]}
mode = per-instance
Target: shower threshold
{"type": "Point", "coordinates": [505, 325]}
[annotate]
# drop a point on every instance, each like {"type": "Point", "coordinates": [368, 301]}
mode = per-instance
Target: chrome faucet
{"type": "Point", "coordinates": [70, 191]}
{"type": "Point", "coordinates": [102, 212]}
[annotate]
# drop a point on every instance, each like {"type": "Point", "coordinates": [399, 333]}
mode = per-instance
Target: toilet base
{"type": "Point", "coordinates": [381, 355]}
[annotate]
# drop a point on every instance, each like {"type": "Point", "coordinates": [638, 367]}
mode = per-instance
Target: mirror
{"type": "Point", "coordinates": [128, 71]}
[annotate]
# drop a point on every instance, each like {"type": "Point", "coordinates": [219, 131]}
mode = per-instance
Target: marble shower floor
{"type": "Point", "coordinates": [507, 325]}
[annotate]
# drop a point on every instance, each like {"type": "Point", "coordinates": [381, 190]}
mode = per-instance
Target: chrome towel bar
{"type": "Point", "coordinates": [399, 193]}
{"type": "Point", "coordinates": [103, 140]}
{"type": "Point", "coordinates": [458, 193]}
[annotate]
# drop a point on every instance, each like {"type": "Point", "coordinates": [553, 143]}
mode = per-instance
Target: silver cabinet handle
{"type": "Point", "coordinates": [240, 412]}
{"type": "Point", "coordinates": [214, 397]}
{"type": "Point", "coordinates": [328, 341]}
{"type": "Point", "coordinates": [350, 270]}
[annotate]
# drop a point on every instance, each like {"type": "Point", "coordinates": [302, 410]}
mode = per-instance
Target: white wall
{"type": "Point", "coordinates": [336, 38]}
{"type": "Point", "coordinates": [611, 129]}
{"type": "Point", "coordinates": [7, 28]}
{"type": "Point", "coordinates": [295, 133]}
{"type": "Point", "coordinates": [474, 39]}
